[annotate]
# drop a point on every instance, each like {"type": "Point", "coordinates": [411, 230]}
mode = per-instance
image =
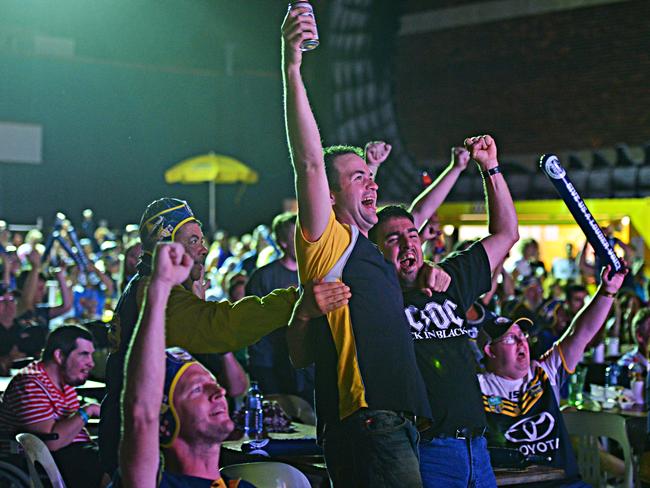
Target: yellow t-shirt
{"type": "Point", "coordinates": [315, 260]}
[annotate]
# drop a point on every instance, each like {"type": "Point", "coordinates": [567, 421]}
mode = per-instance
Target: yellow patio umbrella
{"type": "Point", "coordinates": [212, 169]}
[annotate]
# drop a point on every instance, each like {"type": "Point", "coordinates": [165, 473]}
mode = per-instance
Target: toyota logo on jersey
{"type": "Point", "coordinates": [531, 429]}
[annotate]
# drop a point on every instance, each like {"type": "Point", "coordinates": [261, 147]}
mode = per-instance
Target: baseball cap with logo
{"type": "Point", "coordinates": [496, 327]}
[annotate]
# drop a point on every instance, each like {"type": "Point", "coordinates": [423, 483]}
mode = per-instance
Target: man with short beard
{"type": "Point", "coordinates": [453, 449]}
{"type": "Point", "coordinates": [41, 399]}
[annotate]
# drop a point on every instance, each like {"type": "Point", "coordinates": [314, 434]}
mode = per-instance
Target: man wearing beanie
{"type": "Point", "coordinates": [170, 400]}
{"type": "Point", "coordinates": [191, 323]}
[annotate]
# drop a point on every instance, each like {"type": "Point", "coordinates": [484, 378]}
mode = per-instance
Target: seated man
{"type": "Point", "coordinates": [193, 420]}
{"type": "Point", "coordinates": [42, 399]}
{"type": "Point", "coordinates": [521, 397]}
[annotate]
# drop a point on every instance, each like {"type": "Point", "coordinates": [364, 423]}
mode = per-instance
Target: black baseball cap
{"type": "Point", "coordinates": [496, 327]}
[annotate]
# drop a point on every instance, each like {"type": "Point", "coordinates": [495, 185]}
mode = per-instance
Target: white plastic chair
{"type": "Point", "coordinates": [587, 427]}
{"type": "Point", "coordinates": [294, 406]}
{"type": "Point", "coordinates": [268, 475]}
{"type": "Point", "coordinates": [37, 452]}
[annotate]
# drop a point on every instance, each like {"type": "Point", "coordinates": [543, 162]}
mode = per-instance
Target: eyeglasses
{"type": "Point", "coordinates": [510, 339]}
{"type": "Point", "coordinates": [8, 298]}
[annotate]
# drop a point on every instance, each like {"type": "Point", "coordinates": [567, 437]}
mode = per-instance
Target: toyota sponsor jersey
{"type": "Point", "coordinates": [441, 337]}
{"type": "Point", "coordinates": [524, 414]}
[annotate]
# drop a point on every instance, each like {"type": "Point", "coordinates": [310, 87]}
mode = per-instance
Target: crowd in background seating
{"type": "Point", "coordinates": [35, 296]}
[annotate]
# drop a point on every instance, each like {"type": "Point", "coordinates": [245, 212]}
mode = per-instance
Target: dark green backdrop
{"type": "Point", "coordinates": [148, 83]}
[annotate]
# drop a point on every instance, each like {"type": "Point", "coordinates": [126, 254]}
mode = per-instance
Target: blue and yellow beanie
{"type": "Point", "coordinates": [161, 220]}
{"type": "Point", "coordinates": [177, 360]}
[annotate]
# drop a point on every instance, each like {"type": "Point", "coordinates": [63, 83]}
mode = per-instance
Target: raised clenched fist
{"type": "Point", "coordinates": [483, 150]}
{"type": "Point", "coordinates": [171, 264]}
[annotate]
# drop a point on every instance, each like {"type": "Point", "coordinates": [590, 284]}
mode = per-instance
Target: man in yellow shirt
{"type": "Point", "coordinates": [368, 387]}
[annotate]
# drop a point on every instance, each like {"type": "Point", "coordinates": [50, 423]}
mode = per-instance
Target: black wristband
{"type": "Point", "coordinates": [491, 171]}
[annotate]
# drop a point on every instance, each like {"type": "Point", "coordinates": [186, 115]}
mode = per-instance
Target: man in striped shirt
{"type": "Point", "coordinates": [41, 399]}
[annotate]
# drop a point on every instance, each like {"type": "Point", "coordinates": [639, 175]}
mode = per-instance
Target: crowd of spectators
{"type": "Point", "coordinates": [39, 293]}
{"type": "Point", "coordinates": [402, 347]}
{"type": "Point", "coordinates": [36, 295]}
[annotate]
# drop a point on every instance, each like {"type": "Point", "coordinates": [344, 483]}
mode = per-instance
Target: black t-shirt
{"type": "Point", "coordinates": [442, 350]}
{"type": "Point", "coordinates": [270, 277]}
{"type": "Point", "coordinates": [271, 350]}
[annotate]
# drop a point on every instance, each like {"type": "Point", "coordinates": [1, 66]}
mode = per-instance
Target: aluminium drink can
{"type": "Point", "coordinates": [307, 44]}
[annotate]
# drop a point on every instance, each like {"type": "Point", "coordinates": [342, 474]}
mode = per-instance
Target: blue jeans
{"type": "Point", "coordinates": [372, 448]}
{"type": "Point", "coordinates": [451, 462]}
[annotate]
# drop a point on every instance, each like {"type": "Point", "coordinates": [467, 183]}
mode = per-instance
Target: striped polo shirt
{"type": "Point", "coordinates": [32, 397]}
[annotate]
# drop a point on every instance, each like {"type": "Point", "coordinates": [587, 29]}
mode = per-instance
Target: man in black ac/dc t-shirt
{"type": "Point", "coordinates": [453, 450]}
{"type": "Point", "coordinates": [442, 348]}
